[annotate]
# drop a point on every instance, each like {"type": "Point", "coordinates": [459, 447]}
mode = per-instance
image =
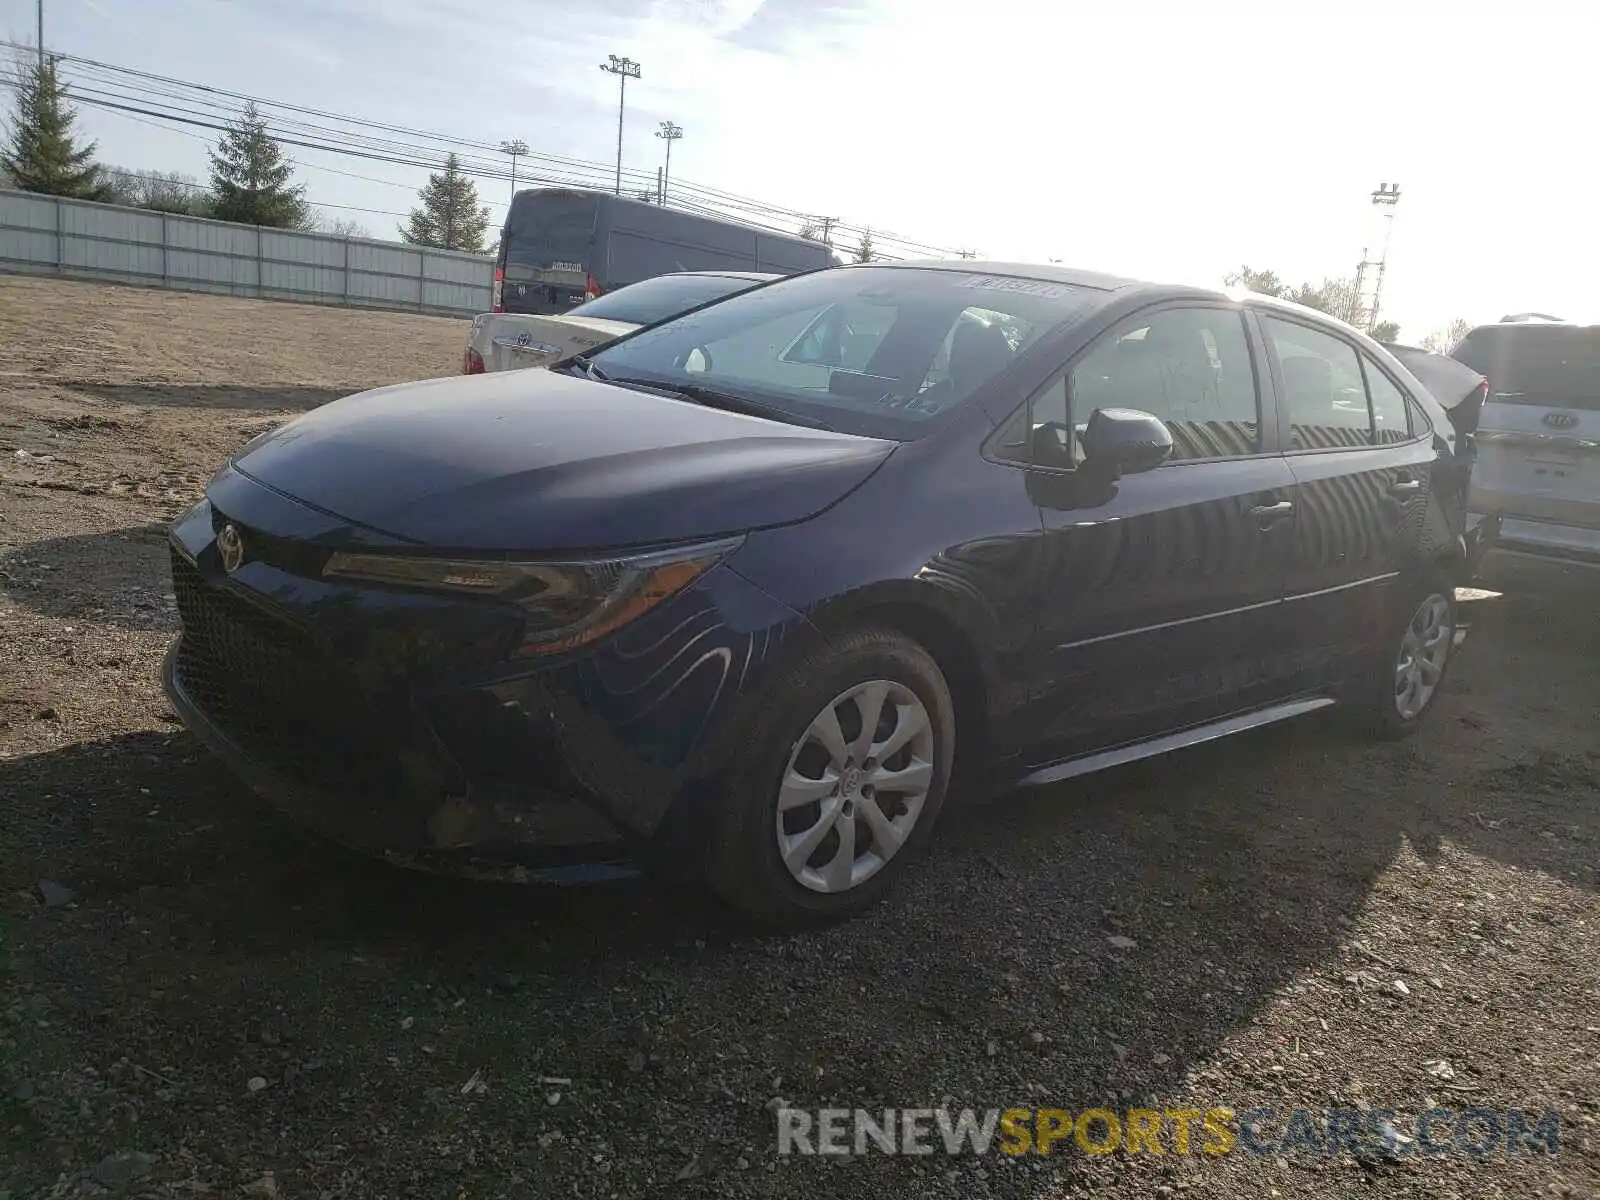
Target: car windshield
{"type": "Point", "coordinates": [664, 296]}
{"type": "Point", "coordinates": [875, 350]}
{"type": "Point", "coordinates": [1556, 366]}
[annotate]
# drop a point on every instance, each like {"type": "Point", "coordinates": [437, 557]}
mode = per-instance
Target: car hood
{"type": "Point", "coordinates": [534, 461]}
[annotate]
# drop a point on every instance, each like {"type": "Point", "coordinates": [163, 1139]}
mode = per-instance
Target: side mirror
{"type": "Point", "coordinates": [1125, 441]}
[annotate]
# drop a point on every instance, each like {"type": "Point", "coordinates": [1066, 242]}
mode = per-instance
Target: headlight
{"type": "Point", "coordinates": [568, 604]}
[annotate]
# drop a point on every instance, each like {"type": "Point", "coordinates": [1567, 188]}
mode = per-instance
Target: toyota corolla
{"type": "Point", "coordinates": [749, 593]}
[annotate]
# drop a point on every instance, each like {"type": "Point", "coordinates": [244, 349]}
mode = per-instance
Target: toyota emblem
{"type": "Point", "coordinates": [231, 546]}
{"type": "Point", "coordinates": [1560, 420]}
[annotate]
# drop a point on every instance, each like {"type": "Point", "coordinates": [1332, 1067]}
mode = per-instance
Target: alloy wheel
{"type": "Point", "coordinates": [854, 786]}
{"type": "Point", "coordinates": [1423, 651]}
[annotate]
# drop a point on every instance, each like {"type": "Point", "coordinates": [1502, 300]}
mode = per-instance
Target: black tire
{"type": "Point", "coordinates": [1381, 711]}
{"type": "Point", "coordinates": [744, 865]}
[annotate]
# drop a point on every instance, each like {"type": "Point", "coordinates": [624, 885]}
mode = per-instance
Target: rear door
{"type": "Point", "coordinates": [1364, 473]}
{"type": "Point", "coordinates": [1538, 464]}
{"type": "Point", "coordinates": [547, 250]}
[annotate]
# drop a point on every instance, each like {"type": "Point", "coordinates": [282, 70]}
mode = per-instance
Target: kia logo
{"type": "Point", "coordinates": [1560, 420]}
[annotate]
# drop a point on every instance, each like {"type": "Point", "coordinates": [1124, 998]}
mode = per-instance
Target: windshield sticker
{"type": "Point", "coordinates": [1026, 287]}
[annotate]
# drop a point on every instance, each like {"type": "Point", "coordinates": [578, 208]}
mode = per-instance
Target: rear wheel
{"type": "Point", "coordinates": [838, 782]}
{"type": "Point", "coordinates": [1411, 669]}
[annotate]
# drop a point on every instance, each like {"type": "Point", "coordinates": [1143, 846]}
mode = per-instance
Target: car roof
{"type": "Point", "coordinates": [1055, 273]}
{"type": "Point", "coordinates": [1051, 272]}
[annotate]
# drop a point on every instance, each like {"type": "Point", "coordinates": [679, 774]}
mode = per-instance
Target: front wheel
{"type": "Point", "coordinates": [1412, 666]}
{"type": "Point", "coordinates": [838, 783]}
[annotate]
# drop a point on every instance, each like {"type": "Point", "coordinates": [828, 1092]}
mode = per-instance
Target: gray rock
{"type": "Point", "coordinates": [54, 894]}
{"type": "Point", "coordinates": [118, 1171]}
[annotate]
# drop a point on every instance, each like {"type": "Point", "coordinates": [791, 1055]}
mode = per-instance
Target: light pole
{"type": "Point", "coordinates": [668, 133]}
{"type": "Point", "coordinates": [624, 69]}
{"type": "Point", "coordinates": [514, 149]}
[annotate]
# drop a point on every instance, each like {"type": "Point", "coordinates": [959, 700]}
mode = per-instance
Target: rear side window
{"type": "Point", "coordinates": [1189, 366]}
{"type": "Point", "coordinates": [1323, 392]}
{"type": "Point", "coordinates": [1390, 420]}
{"type": "Point", "coordinates": [1551, 366]}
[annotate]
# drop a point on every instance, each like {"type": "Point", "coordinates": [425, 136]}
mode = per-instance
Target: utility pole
{"type": "Point", "coordinates": [966, 254]}
{"type": "Point", "coordinates": [669, 133]}
{"type": "Point", "coordinates": [624, 69]}
{"type": "Point", "coordinates": [827, 230]}
{"type": "Point", "coordinates": [515, 149]}
{"type": "Point", "coordinates": [1364, 306]}
{"type": "Point", "coordinates": [41, 36]}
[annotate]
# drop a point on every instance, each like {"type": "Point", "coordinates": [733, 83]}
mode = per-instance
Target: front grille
{"type": "Point", "coordinates": [271, 689]}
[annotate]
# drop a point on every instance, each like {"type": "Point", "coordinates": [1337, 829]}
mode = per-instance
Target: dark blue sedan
{"type": "Point", "coordinates": [749, 592]}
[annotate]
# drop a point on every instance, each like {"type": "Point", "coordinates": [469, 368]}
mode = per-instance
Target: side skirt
{"type": "Point", "coordinates": [1090, 763]}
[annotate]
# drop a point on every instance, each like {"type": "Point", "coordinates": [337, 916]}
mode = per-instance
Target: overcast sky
{"type": "Point", "coordinates": [1171, 139]}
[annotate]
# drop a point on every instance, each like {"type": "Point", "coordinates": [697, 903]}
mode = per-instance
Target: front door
{"type": "Point", "coordinates": [1159, 593]}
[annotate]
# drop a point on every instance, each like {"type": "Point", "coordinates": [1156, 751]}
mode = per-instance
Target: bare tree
{"type": "Point", "coordinates": [1442, 341]}
{"type": "Point", "coordinates": [1334, 296]}
{"type": "Point", "coordinates": [346, 227]}
{"type": "Point", "coordinates": [163, 191]}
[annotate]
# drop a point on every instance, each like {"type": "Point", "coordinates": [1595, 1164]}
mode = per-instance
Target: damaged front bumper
{"type": "Point", "coordinates": [403, 725]}
{"type": "Point", "coordinates": [540, 837]}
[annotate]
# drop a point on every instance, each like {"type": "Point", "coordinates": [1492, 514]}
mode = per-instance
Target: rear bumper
{"type": "Point", "coordinates": [1534, 555]}
{"type": "Point", "coordinates": [1576, 544]}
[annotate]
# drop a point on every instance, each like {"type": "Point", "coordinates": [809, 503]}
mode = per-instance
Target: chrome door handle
{"type": "Point", "coordinates": [1407, 487]}
{"type": "Point", "coordinates": [1269, 514]}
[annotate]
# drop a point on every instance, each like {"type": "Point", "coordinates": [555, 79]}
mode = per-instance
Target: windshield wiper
{"type": "Point", "coordinates": [698, 394]}
{"type": "Point", "coordinates": [590, 371]}
{"type": "Point", "coordinates": [731, 402]}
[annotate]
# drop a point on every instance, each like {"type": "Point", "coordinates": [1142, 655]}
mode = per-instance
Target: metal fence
{"type": "Point", "coordinates": [83, 240]}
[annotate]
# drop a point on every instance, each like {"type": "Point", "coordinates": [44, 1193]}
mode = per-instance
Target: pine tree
{"type": "Point", "coordinates": [250, 177]}
{"type": "Point", "coordinates": [864, 252]}
{"type": "Point", "coordinates": [450, 217]}
{"type": "Point", "coordinates": [41, 154]}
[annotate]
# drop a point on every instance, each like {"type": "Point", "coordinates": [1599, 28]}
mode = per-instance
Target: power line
{"type": "Point", "coordinates": [197, 105]}
{"type": "Point", "coordinates": [716, 199]}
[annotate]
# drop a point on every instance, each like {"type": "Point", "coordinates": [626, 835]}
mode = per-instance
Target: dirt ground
{"type": "Point", "coordinates": [220, 1005]}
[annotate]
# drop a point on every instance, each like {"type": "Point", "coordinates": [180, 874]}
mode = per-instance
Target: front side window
{"type": "Point", "coordinates": [875, 350]}
{"type": "Point", "coordinates": [1390, 419]}
{"type": "Point", "coordinates": [1189, 366]}
{"type": "Point", "coordinates": [1323, 392]}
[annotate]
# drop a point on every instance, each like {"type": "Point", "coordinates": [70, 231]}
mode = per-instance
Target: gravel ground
{"type": "Point", "coordinates": [219, 1005]}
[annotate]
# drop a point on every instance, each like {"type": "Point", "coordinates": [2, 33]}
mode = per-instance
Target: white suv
{"type": "Point", "coordinates": [1538, 462]}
